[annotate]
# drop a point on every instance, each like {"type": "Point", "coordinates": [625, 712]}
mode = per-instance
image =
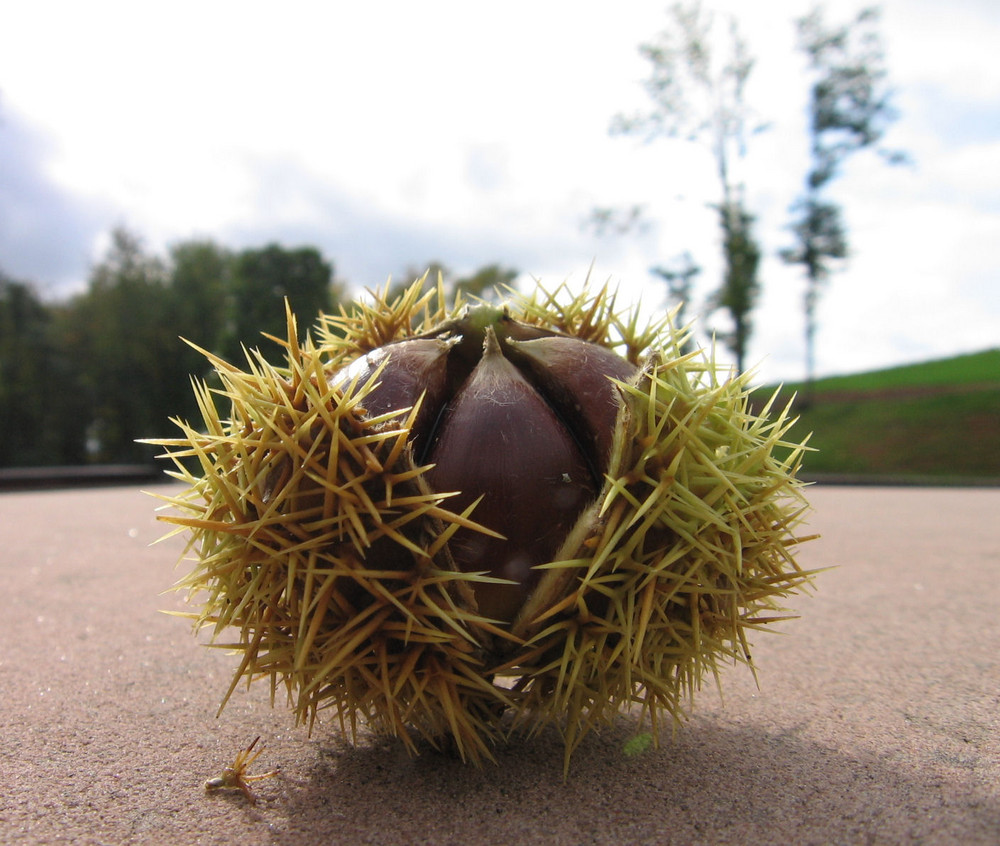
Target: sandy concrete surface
{"type": "Point", "coordinates": [876, 721]}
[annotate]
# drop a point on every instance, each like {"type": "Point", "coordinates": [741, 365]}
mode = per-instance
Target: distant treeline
{"type": "Point", "coordinates": [82, 379]}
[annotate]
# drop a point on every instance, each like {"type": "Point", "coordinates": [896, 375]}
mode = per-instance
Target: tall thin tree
{"type": "Point", "coordinates": [849, 110]}
{"type": "Point", "coordinates": [697, 85]}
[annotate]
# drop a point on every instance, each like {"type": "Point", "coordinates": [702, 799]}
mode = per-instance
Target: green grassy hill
{"type": "Point", "coordinates": [938, 420]}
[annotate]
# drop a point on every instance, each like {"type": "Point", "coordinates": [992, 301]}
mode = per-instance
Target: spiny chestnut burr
{"type": "Point", "coordinates": [454, 521]}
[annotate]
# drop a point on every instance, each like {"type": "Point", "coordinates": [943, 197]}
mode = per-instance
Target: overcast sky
{"type": "Point", "coordinates": [394, 133]}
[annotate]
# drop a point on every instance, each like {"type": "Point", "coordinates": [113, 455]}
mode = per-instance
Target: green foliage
{"type": "Point", "coordinates": [81, 380]}
{"type": "Point", "coordinates": [201, 279]}
{"type": "Point", "coordinates": [482, 283]}
{"type": "Point", "coordinates": [434, 269]}
{"type": "Point", "coordinates": [488, 282]}
{"type": "Point", "coordinates": [849, 101]}
{"type": "Point", "coordinates": [819, 231]}
{"type": "Point", "coordinates": [125, 348]}
{"type": "Point", "coordinates": [39, 394]}
{"type": "Point", "coordinates": [263, 279]}
{"type": "Point", "coordinates": [740, 288]}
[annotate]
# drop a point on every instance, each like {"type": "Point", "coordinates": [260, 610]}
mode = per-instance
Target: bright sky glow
{"type": "Point", "coordinates": [391, 134]}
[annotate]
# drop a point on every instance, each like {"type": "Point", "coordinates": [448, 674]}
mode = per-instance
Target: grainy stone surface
{"type": "Point", "coordinates": [876, 719]}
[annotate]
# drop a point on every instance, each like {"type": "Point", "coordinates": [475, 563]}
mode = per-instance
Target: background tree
{"type": "Point", "coordinates": [201, 274]}
{"type": "Point", "coordinates": [850, 110]}
{"type": "Point", "coordinates": [121, 338]}
{"type": "Point", "coordinates": [480, 283]}
{"type": "Point", "coordinates": [698, 95]}
{"type": "Point", "coordinates": [263, 278]}
{"type": "Point", "coordinates": [200, 279]}
{"type": "Point", "coordinates": [80, 380]}
{"type": "Point", "coordinates": [40, 398]}
{"type": "Point", "coordinates": [413, 272]}
{"type": "Point", "coordinates": [488, 282]}
{"type": "Point", "coordinates": [740, 288]}
{"type": "Point", "coordinates": [23, 372]}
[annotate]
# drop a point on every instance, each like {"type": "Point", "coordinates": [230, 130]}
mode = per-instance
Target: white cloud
{"type": "Point", "coordinates": [46, 235]}
{"type": "Point", "coordinates": [394, 133]}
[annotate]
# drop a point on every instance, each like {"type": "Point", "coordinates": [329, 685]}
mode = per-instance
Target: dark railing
{"type": "Point", "coordinates": [85, 475]}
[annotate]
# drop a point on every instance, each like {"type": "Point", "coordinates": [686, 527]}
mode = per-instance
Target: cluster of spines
{"type": "Point", "coordinates": [687, 548]}
{"type": "Point", "coordinates": [288, 496]}
{"type": "Point", "coordinates": [368, 325]}
{"type": "Point", "coordinates": [592, 316]}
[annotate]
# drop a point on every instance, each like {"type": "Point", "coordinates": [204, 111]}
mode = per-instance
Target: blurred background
{"type": "Point", "coordinates": [817, 184]}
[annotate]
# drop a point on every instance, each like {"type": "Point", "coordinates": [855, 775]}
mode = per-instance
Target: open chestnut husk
{"type": "Point", "coordinates": [455, 520]}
